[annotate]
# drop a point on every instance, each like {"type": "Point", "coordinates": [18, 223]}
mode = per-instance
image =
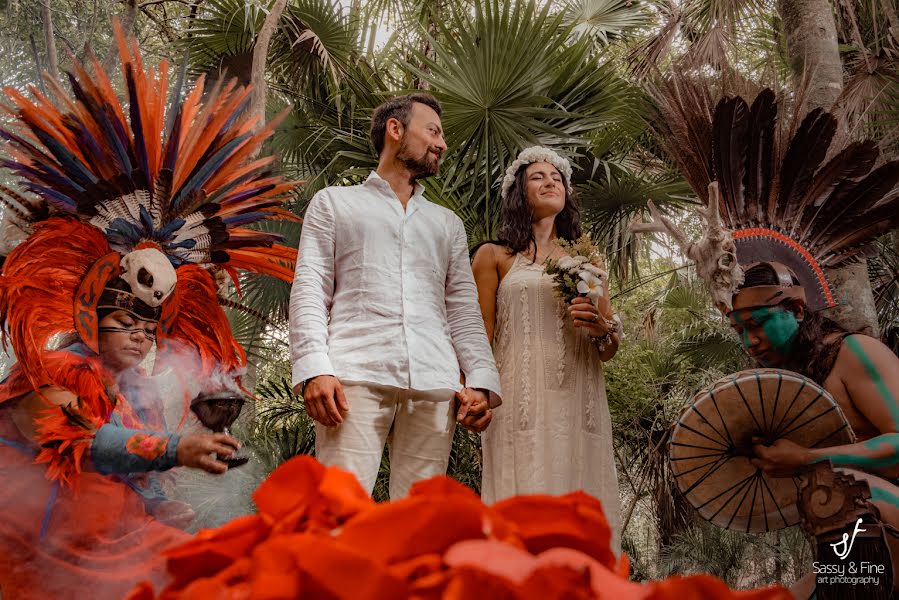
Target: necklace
{"type": "Point", "coordinates": [547, 256]}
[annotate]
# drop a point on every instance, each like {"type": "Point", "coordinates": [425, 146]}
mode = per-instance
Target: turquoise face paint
{"type": "Point", "coordinates": [778, 325]}
{"type": "Point", "coordinates": [886, 395]}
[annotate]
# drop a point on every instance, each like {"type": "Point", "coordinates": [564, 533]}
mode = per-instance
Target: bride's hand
{"type": "Point", "coordinates": [473, 410]}
{"type": "Point", "coordinates": [585, 314]}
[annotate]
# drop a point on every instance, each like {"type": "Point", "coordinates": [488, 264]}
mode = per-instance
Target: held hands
{"type": "Point", "coordinates": [585, 314]}
{"type": "Point", "coordinates": [473, 409]}
{"type": "Point", "coordinates": [197, 450]}
{"type": "Point", "coordinates": [325, 401]}
{"type": "Point", "coordinates": [782, 458]}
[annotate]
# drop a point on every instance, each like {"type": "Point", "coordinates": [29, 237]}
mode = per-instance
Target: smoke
{"type": "Point", "coordinates": [99, 543]}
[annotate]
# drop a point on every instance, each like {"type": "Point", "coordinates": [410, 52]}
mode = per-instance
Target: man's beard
{"type": "Point", "coordinates": [420, 167]}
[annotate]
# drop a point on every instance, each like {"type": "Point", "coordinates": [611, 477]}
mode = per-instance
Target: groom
{"type": "Point", "coordinates": [384, 312]}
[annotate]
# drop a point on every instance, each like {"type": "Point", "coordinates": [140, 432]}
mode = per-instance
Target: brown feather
{"type": "Point", "coordinates": [806, 152]}
{"type": "Point", "coordinates": [729, 133]}
{"type": "Point", "coordinates": [820, 202]}
{"type": "Point", "coordinates": [759, 156]}
{"type": "Point", "coordinates": [863, 212]}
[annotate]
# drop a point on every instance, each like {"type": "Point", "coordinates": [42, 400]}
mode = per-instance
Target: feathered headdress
{"type": "Point", "coordinates": [776, 188]}
{"type": "Point", "coordinates": [140, 195]}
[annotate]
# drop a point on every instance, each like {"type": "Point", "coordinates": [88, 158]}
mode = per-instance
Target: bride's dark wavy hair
{"type": "Point", "coordinates": [516, 231]}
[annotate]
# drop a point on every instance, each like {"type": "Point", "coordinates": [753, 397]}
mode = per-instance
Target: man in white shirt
{"type": "Point", "coordinates": [384, 312]}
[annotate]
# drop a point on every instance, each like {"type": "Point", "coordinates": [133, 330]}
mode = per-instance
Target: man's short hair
{"type": "Point", "coordinates": [399, 108]}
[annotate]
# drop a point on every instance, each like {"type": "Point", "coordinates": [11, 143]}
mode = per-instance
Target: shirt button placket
{"type": "Point", "coordinates": [404, 297]}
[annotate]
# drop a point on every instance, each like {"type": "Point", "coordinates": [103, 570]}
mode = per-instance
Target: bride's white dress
{"type": "Point", "coordinates": [553, 433]}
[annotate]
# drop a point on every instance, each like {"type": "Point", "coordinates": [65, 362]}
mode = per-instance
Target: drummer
{"type": "Point", "coordinates": [860, 372]}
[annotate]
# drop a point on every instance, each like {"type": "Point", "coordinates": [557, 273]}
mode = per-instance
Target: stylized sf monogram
{"type": "Point", "coordinates": [847, 542]}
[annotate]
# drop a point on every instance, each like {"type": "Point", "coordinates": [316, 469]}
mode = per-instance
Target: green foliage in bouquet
{"type": "Point", "coordinates": [580, 272]}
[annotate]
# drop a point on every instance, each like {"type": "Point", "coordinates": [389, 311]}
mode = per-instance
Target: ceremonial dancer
{"type": "Point", "coordinates": [785, 198]}
{"type": "Point", "coordinates": [122, 218]}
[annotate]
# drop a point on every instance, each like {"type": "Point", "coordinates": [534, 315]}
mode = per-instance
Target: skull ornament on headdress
{"type": "Point", "coordinates": [149, 274]}
{"type": "Point", "coordinates": [714, 255]}
{"type": "Point", "coordinates": [127, 206]}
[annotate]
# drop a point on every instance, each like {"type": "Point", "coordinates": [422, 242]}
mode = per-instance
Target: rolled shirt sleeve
{"type": "Point", "coordinates": [465, 321]}
{"type": "Point", "coordinates": [312, 293]}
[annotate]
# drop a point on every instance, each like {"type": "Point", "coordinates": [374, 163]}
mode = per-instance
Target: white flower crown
{"type": "Point", "coordinates": [537, 154]}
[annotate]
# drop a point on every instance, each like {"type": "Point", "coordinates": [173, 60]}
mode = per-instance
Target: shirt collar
{"type": "Point", "coordinates": [381, 184]}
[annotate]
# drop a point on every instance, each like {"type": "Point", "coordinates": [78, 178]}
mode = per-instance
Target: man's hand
{"type": "Point", "coordinates": [473, 409]}
{"type": "Point", "coordinates": [196, 451]}
{"type": "Point", "coordinates": [782, 458]}
{"type": "Point", "coordinates": [325, 401]}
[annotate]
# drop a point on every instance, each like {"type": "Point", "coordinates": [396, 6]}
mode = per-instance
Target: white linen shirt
{"type": "Point", "coordinates": [399, 291]}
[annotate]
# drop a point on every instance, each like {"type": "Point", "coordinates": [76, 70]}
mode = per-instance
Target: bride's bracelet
{"type": "Point", "coordinates": [602, 342]}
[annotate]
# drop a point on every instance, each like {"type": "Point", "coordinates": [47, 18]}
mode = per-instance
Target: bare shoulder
{"type": "Point", "coordinates": [863, 357]}
{"type": "Point", "coordinates": [486, 254]}
{"type": "Point", "coordinates": [492, 256]}
{"type": "Point", "coordinates": [866, 349]}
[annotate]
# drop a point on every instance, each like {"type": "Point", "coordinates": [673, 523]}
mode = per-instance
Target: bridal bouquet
{"type": "Point", "coordinates": [579, 273]}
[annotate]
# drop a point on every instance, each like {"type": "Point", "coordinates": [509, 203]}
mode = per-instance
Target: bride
{"type": "Point", "coordinates": [553, 434]}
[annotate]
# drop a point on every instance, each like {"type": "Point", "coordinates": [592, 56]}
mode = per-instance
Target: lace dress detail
{"type": "Point", "coordinates": [553, 433]}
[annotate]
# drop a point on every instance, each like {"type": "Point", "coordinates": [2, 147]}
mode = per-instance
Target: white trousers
{"type": "Point", "coordinates": [418, 427]}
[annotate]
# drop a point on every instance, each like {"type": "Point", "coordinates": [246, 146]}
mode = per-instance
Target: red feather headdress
{"type": "Point", "coordinates": [103, 181]}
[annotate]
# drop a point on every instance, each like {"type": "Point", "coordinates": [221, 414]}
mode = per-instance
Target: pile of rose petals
{"type": "Point", "coordinates": [319, 535]}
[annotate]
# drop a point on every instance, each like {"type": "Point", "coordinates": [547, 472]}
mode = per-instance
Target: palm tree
{"type": "Point", "coordinates": [548, 82]}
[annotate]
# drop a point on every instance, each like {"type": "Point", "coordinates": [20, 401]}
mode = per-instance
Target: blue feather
{"type": "Point", "coordinates": [187, 244]}
{"type": "Point", "coordinates": [43, 173]}
{"type": "Point", "coordinates": [68, 161]}
{"type": "Point", "coordinates": [25, 145]}
{"type": "Point", "coordinates": [122, 138]}
{"type": "Point", "coordinates": [222, 192]}
{"type": "Point", "coordinates": [175, 101]}
{"type": "Point", "coordinates": [249, 194]}
{"type": "Point", "coordinates": [202, 175]}
{"type": "Point", "coordinates": [170, 228]}
{"type": "Point", "coordinates": [236, 220]}
{"type": "Point", "coordinates": [112, 137]}
{"type": "Point", "coordinates": [171, 145]}
{"type": "Point", "coordinates": [54, 197]}
{"type": "Point", "coordinates": [88, 144]}
{"type": "Point", "coordinates": [137, 129]}
{"type": "Point", "coordinates": [129, 231]}
{"type": "Point", "coordinates": [101, 114]}
{"type": "Point", "coordinates": [146, 220]}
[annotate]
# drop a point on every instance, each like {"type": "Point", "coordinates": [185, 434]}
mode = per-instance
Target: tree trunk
{"type": "Point", "coordinates": [50, 40]}
{"type": "Point", "coordinates": [427, 48]}
{"type": "Point", "coordinates": [260, 55]}
{"type": "Point", "coordinates": [811, 36]}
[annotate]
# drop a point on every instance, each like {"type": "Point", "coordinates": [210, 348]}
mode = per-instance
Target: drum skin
{"type": "Point", "coordinates": [711, 445]}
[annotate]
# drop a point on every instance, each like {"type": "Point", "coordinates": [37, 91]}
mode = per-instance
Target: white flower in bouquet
{"type": "Point", "coordinates": [594, 270]}
{"type": "Point", "coordinates": [566, 263]}
{"type": "Point", "coordinates": [579, 272]}
{"type": "Point", "coordinates": [590, 285]}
